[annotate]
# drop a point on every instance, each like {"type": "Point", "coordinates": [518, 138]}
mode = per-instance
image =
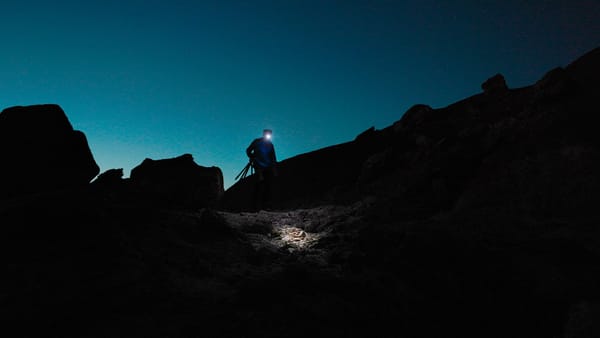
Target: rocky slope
{"type": "Point", "coordinates": [473, 220]}
{"type": "Point", "coordinates": [503, 148]}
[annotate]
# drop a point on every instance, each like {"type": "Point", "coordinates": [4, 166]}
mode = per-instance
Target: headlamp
{"type": "Point", "coordinates": [267, 134]}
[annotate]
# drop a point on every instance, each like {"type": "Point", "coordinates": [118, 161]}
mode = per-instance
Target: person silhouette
{"type": "Point", "coordinates": [261, 154]}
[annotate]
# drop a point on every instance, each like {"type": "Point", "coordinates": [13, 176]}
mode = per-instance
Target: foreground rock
{"type": "Point", "coordinates": [179, 181]}
{"type": "Point", "coordinates": [341, 271]}
{"type": "Point", "coordinates": [40, 151]}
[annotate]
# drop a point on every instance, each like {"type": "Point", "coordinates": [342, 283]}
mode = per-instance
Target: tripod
{"type": "Point", "coordinates": [244, 171]}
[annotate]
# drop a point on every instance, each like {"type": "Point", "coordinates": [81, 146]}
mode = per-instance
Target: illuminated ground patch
{"type": "Point", "coordinates": [292, 231]}
{"type": "Point", "coordinates": [297, 238]}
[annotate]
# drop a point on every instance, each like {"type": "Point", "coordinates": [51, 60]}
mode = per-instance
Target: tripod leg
{"type": "Point", "coordinates": [248, 167]}
{"type": "Point", "coordinates": [243, 172]}
{"type": "Point", "coordinates": [240, 174]}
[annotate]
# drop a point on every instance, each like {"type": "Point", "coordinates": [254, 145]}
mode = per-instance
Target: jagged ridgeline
{"type": "Point", "coordinates": [473, 220]}
{"type": "Point", "coordinates": [42, 153]}
{"type": "Point", "coordinates": [532, 149]}
{"type": "Point", "coordinates": [505, 147]}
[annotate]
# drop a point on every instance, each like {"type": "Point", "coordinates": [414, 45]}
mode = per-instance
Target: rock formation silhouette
{"type": "Point", "coordinates": [179, 181]}
{"type": "Point", "coordinates": [41, 151]}
{"type": "Point", "coordinates": [473, 220]}
{"type": "Point", "coordinates": [530, 150]}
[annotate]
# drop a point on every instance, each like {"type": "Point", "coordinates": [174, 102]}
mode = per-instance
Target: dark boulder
{"type": "Point", "coordinates": [109, 177]}
{"type": "Point", "coordinates": [179, 182]}
{"type": "Point", "coordinates": [495, 85]}
{"type": "Point", "coordinates": [110, 181]}
{"type": "Point", "coordinates": [586, 69]}
{"type": "Point", "coordinates": [366, 134]}
{"type": "Point", "coordinates": [414, 117]}
{"type": "Point", "coordinates": [41, 151]}
{"type": "Point", "coordinates": [556, 83]}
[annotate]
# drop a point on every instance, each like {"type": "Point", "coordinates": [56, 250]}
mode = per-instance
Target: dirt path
{"type": "Point", "coordinates": [275, 230]}
{"type": "Point", "coordinates": [297, 231]}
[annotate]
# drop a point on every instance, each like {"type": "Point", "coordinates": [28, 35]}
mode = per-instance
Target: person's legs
{"type": "Point", "coordinates": [267, 188]}
{"type": "Point", "coordinates": [259, 190]}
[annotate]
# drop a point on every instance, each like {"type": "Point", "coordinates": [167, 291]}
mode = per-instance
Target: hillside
{"type": "Point", "coordinates": [474, 220]}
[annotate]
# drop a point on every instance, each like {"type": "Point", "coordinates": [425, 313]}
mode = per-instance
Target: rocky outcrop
{"type": "Point", "coordinates": [585, 70]}
{"type": "Point", "coordinates": [413, 117]}
{"type": "Point", "coordinates": [473, 220]}
{"type": "Point", "coordinates": [554, 84]}
{"type": "Point", "coordinates": [527, 151]}
{"type": "Point", "coordinates": [495, 85]}
{"type": "Point", "coordinates": [178, 181]}
{"type": "Point", "coordinates": [322, 176]}
{"type": "Point", "coordinates": [109, 178]}
{"type": "Point", "coordinates": [40, 151]}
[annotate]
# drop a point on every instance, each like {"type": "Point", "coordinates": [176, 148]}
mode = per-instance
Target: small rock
{"type": "Point", "coordinates": [495, 85]}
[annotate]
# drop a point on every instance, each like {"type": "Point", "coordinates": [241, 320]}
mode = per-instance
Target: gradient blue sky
{"type": "Point", "coordinates": [159, 79]}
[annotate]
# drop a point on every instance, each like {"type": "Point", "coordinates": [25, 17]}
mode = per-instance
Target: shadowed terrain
{"type": "Point", "coordinates": [474, 220]}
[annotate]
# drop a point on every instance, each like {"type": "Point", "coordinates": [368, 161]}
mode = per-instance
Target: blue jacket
{"type": "Point", "coordinates": [262, 153]}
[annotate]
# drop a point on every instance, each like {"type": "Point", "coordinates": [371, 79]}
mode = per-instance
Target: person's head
{"type": "Point", "coordinates": [267, 134]}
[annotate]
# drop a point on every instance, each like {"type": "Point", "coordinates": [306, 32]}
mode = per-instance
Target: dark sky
{"type": "Point", "coordinates": [159, 79]}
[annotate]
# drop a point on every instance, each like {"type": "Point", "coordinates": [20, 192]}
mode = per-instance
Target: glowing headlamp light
{"type": "Point", "coordinates": [267, 133]}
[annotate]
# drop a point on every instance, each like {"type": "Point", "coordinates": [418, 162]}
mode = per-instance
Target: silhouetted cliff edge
{"type": "Point", "coordinates": [473, 220]}
{"type": "Point", "coordinates": [530, 150]}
